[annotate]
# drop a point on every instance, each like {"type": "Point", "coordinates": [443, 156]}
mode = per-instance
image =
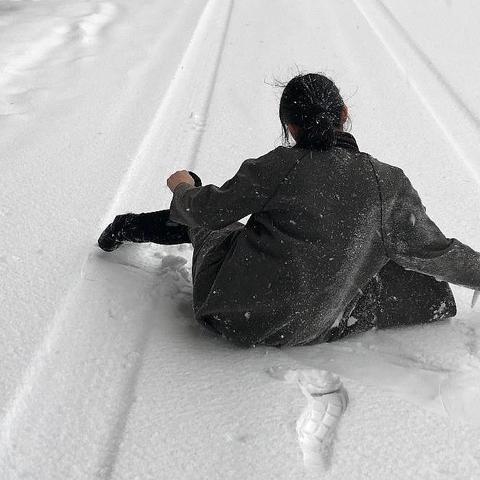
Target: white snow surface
{"type": "Point", "coordinates": [105, 374]}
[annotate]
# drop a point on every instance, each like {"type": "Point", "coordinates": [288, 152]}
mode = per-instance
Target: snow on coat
{"type": "Point", "coordinates": [322, 224]}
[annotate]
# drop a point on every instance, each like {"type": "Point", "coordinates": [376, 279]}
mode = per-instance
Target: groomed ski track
{"type": "Point", "coordinates": [121, 382]}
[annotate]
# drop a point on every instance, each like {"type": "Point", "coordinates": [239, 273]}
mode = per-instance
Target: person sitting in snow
{"type": "Point", "coordinates": [337, 242]}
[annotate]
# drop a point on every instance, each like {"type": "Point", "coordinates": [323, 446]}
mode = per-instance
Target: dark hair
{"type": "Point", "coordinates": [313, 103]}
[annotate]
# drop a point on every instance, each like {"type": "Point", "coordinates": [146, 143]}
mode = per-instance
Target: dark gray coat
{"type": "Point", "coordinates": [322, 224]}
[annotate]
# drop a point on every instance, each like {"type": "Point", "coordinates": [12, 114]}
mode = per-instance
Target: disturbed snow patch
{"type": "Point", "coordinates": [327, 399]}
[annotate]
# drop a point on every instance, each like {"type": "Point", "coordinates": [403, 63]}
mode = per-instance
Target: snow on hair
{"type": "Point", "coordinates": [312, 102]}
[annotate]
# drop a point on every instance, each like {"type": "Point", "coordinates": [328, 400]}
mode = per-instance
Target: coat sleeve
{"type": "Point", "coordinates": [413, 240]}
{"type": "Point", "coordinates": [245, 193]}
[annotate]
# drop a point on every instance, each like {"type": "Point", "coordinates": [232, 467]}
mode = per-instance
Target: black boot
{"type": "Point", "coordinates": [155, 227]}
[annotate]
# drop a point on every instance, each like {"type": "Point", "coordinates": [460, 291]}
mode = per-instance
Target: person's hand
{"type": "Point", "coordinates": [181, 176]}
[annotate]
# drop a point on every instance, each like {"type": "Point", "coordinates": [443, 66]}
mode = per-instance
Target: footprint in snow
{"type": "Point", "coordinates": [327, 399]}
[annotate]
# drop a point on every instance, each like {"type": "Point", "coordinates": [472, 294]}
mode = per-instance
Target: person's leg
{"type": "Point", "coordinates": [398, 297]}
{"type": "Point", "coordinates": [154, 227]}
{"type": "Point", "coordinates": [210, 248]}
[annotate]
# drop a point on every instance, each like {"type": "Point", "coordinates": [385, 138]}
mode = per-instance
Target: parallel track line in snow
{"type": "Point", "coordinates": [18, 400]}
{"type": "Point", "coordinates": [211, 88]}
{"type": "Point", "coordinates": [175, 117]}
{"type": "Point", "coordinates": [117, 431]}
{"type": "Point", "coordinates": [204, 50]}
{"type": "Point", "coordinates": [459, 124]}
{"type": "Point", "coordinates": [474, 118]}
{"type": "Point", "coordinates": [174, 92]}
{"type": "Point", "coordinates": [49, 339]}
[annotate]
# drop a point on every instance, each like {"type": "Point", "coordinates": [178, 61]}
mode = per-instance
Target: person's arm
{"type": "Point", "coordinates": [413, 240]}
{"type": "Point", "coordinates": [247, 192]}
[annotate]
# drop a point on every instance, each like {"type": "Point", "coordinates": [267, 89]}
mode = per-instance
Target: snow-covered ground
{"type": "Point", "coordinates": [104, 372]}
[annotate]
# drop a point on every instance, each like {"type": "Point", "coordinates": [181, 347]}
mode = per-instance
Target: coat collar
{"type": "Point", "coordinates": [343, 140]}
{"type": "Point", "coordinates": [346, 140]}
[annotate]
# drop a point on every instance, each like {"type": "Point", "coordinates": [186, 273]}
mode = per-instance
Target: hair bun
{"type": "Point", "coordinates": [314, 104]}
{"type": "Point", "coordinates": [322, 115]}
{"type": "Point", "coordinates": [320, 132]}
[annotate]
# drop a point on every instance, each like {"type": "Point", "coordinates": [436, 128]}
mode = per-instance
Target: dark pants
{"type": "Point", "coordinates": [396, 297]}
{"type": "Point", "coordinates": [393, 297]}
{"type": "Point", "coordinates": [210, 248]}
